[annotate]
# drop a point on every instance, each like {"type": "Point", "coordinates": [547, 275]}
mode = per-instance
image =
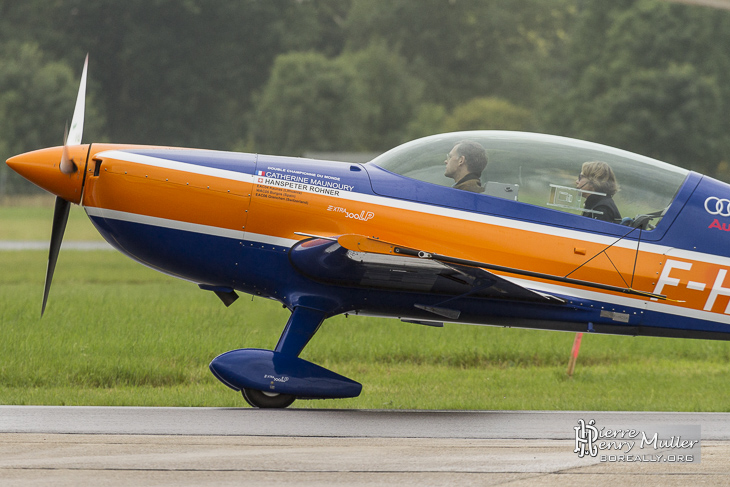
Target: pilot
{"type": "Point", "coordinates": [464, 164]}
{"type": "Point", "coordinates": [598, 177]}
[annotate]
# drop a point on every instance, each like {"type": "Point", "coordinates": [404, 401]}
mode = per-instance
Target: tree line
{"type": "Point", "coordinates": [292, 76]}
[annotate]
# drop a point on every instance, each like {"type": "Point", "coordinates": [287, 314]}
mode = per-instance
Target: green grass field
{"type": "Point", "coordinates": [33, 222]}
{"type": "Point", "coordinates": [116, 333]}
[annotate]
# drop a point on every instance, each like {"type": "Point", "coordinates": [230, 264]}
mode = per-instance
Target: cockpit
{"type": "Point", "coordinates": [539, 170]}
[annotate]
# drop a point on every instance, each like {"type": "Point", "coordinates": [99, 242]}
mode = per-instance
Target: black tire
{"type": "Point", "coordinates": [260, 399]}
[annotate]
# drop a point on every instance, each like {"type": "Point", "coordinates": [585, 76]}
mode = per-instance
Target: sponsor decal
{"type": "Point", "coordinates": [653, 444]}
{"type": "Point", "coordinates": [674, 268]}
{"type": "Point", "coordinates": [717, 206]}
{"type": "Point", "coordinates": [276, 379]}
{"type": "Point", "coordinates": [303, 181]}
{"type": "Point", "coordinates": [292, 185]}
{"type": "Point", "coordinates": [720, 226]}
{"type": "Point", "coordinates": [288, 193]}
{"type": "Point", "coordinates": [363, 215]}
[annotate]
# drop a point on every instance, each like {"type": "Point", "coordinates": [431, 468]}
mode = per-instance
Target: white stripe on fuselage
{"type": "Point", "coordinates": [121, 155]}
{"type": "Point", "coordinates": [188, 227]}
{"type": "Point", "coordinates": [163, 222]}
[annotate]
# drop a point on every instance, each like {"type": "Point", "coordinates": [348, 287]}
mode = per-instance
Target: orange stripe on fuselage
{"type": "Point", "coordinates": [166, 193]}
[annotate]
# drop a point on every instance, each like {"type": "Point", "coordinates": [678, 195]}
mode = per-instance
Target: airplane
{"type": "Point", "coordinates": [393, 238]}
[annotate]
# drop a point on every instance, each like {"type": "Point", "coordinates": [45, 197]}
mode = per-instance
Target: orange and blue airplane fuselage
{"type": "Point", "coordinates": [327, 238]}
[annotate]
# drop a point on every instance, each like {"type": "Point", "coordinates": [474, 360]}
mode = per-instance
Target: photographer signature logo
{"type": "Point", "coordinates": [586, 436]}
{"type": "Point", "coordinates": [673, 444]}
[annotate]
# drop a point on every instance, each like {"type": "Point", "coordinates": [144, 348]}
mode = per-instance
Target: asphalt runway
{"type": "Point", "coordinates": [220, 446]}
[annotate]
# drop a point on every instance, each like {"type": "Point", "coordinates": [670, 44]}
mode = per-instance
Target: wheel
{"type": "Point", "coordinates": [261, 399]}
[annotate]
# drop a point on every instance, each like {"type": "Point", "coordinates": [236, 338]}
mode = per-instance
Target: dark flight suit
{"type": "Point", "coordinates": [470, 182]}
{"type": "Point", "coordinates": [603, 204]}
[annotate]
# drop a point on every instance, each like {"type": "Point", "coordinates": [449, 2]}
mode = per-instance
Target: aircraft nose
{"type": "Point", "coordinates": [42, 168]}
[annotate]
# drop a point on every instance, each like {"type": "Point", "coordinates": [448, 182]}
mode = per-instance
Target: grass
{"type": "Point", "coordinates": [116, 333]}
{"type": "Point", "coordinates": [32, 221]}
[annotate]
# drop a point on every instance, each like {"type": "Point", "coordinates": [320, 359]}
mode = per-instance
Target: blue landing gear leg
{"type": "Point", "coordinates": [301, 327]}
{"type": "Point", "coordinates": [274, 379]}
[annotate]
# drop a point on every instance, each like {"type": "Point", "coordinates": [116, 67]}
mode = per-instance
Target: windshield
{"type": "Point", "coordinates": [541, 169]}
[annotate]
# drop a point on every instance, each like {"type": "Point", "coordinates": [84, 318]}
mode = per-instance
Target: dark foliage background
{"type": "Point", "coordinates": [292, 76]}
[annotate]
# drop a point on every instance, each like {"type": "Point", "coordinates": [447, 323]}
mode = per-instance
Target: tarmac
{"type": "Point", "coordinates": [221, 446]}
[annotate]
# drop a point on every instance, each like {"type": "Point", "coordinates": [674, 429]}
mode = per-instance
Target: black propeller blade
{"type": "Point", "coordinates": [60, 217]}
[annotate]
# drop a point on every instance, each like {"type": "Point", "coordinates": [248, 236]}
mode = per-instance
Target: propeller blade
{"type": "Point", "coordinates": [77, 121]}
{"type": "Point", "coordinates": [60, 217]}
{"type": "Point", "coordinates": [73, 137]}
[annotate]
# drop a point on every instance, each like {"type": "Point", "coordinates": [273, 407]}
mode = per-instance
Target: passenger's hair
{"type": "Point", "coordinates": [601, 177]}
{"type": "Point", "coordinates": [474, 155]}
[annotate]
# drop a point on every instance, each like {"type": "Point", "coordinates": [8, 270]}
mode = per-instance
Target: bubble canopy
{"type": "Point", "coordinates": [535, 164]}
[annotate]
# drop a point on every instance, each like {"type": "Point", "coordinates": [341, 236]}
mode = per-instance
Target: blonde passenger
{"type": "Point", "coordinates": [598, 177]}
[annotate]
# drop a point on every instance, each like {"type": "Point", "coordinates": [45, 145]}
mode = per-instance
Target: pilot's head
{"type": "Point", "coordinates": [467, 157]}
{"type": "Point", "coordinates": [597, 176]}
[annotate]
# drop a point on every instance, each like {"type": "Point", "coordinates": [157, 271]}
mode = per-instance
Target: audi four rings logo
{"type": "Point", "coordinates": [717, 206]}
